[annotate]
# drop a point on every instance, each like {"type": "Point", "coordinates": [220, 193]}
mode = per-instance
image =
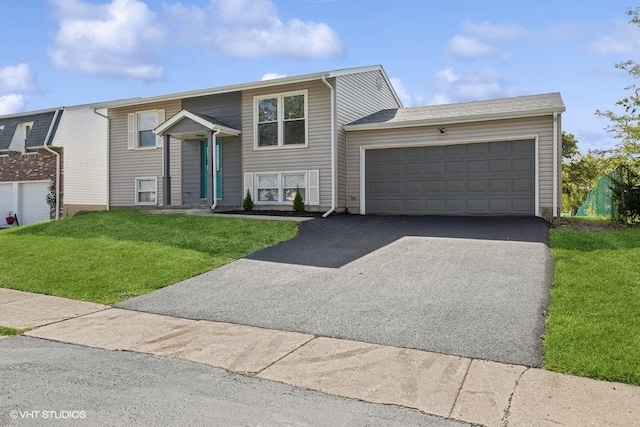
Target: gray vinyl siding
{"type": "Point", "coordinates": [357, 96]}
{"type": "Point", "coordinates": [188, 125]}
{"type": "Point", "coordinates": [456, 134]}
{"type": "Point", "coordinates": [317, 155]}
{"type": "Point", "coordinates": [224, 107]}
{"type": "Point", "coordinates": [191, 173]}
{"type": "Point", "coordinates": [125, 165]}
{"type": "Point", "coordinates": [231, 172]}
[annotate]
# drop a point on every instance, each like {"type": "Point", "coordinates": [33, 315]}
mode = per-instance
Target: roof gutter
{"type": "Point", "coordinates": [108, 157]}
{"type": "Point", "coordinates": [55, 153]}
{"type": "Point", "coordinates": [333, 149]}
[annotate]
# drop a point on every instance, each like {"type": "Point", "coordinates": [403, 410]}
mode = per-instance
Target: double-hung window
{"type": "Point", "coordinates": [141, 126]}
{"type": "Point", "coordinates": [146, 191]}
{"type": "Point", "coordinates": [280, 187]}
{"type": "Point", "coordinates": [281, 120]}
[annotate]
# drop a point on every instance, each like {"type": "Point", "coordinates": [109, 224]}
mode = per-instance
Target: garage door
{"type": "Point", "coordinates": [495, 178]}
{"type": "Point", "coordinates": [31, 201]}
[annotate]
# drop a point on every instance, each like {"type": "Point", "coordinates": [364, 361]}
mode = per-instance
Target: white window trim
{"type": "Point", "coordinates": [132, 129]}
{"type": "Point", "coordinates": [280, 96]}
{"type": "Point", "coordinates": [136, 193]}
{"type": "Point", "coordinates": [281, 188]}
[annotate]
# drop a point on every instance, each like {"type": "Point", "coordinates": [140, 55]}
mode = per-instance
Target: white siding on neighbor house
{"type": "Point", "coordinates": [315, 156]}
{"type": "Point", "coordinates": [357, 96]}
{"type": "Point", "coordinates": [457, 134]}
{"type": "Point", "coordinates": [126, 165]}
{"type": "Point", "coordinates": [83, 135]}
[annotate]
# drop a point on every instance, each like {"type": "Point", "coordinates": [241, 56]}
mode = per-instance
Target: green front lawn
{"type": "Point", "coordinates": [593, 327]}
{"type": "Point", "coordinates": [106, 257]}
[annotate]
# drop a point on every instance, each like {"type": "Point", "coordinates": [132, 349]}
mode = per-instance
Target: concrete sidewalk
{"type": "Point", "coordinates": [469, 390]}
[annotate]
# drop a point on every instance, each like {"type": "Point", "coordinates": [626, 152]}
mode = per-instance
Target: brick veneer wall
{"type": "Point", "coordinates": [33, 167]}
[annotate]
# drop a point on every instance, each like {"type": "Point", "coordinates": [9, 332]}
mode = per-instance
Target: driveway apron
{"type": "Point", "coordinates": [467, 286]}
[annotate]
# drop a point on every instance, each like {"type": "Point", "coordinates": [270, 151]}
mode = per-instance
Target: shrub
{"type": "Point", "coordinates": [298, 203]}
{"type": "Point", "coordinates": [247, 202]}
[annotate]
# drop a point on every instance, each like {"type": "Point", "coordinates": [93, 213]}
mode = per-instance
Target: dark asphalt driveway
{"type": "Point", "coordinates": [473, 287]}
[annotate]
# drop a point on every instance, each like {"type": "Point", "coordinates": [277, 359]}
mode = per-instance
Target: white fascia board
{"type": "Point", "coordinates": [184, 114]}
{"type": "Point", "coordinates": [451, 120]}
{"type": "Point", "coordinates": [30, 113]}
{"type": "Point", "coordinates": [239, 87]}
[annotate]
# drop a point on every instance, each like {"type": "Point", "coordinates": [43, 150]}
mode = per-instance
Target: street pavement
{"type": "Point", "coordinates": [121, 367]}
{"type": "Point", "coordinates": [49, 383]}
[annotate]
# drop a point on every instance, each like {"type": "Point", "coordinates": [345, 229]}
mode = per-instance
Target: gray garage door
{"type": "Point", "coordinates": [495, 178]}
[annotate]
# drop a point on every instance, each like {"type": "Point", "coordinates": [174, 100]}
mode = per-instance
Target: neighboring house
{"type": "Point", "coordinates": [343, 139]}
{"type": "Point", "coordinates": [52, 163]}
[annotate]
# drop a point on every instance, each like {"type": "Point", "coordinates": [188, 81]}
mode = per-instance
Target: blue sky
{"type": "Point", "coordinates": [69, 52]}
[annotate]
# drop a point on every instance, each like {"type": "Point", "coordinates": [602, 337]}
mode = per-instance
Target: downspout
{"type": "Point", "coordinates": [555, 164]}
{"type": "Point", "coordinates": [334, 201]}
{"type": "Point", "coordinates": [108, 172]}
{"type": "Point", "coordinates": [53, 123]}
{"type": "Point", "coordinates": [214, 167]}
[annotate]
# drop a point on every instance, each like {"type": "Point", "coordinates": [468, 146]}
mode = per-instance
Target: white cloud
{"type": "Point", "coordinates": [16, 78]}
{"type": "Point", "coordinates": [491, 32]}
{"type": "Point", "coordinates": [271, 76]}
{"type": "Point", "coordinates": [625, 39]}
{"type": "Point", "coordinates": [12, 103]}
{"type": "Point", "coordinates": [408, 100]}
{"type": "Point", "coordinates": [472, 42]}
{"type": "Point", "coordinates": [252, 28]}
{"type": "Point", "coordinates": [117, 39]}
{"type": "Point", "coordinates": [483, 84]}
{"type": "Point", "coordinates": [466, 47]}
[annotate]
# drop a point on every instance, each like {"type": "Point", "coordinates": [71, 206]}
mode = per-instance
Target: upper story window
{"type": "Point", "coordinates": [140, 129]}
{"type": "Point", "coordinates": [281, 120]}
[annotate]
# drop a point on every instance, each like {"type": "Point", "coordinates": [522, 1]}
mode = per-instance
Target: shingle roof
{"type": "Point", "coordinates": [464, 111]}
{"type": "Point", "coordinates": [211, 119]}
{"type": "Point", "coordinates": [39, 130]}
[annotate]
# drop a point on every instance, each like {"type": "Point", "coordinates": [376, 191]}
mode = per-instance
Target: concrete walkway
{"type": "Point", "coordinates": [459, 388]}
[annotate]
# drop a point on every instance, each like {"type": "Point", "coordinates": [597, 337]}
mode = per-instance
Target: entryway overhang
{"type": "Point", "coordinates": [189, 125]}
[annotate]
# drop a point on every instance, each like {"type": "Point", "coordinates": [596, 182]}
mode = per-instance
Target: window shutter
{"type": "Point", "coordinates": [131, 135]}
{"type": "Point", "coordinates": [159, 121]}
{"type": "Point", "coordinates": [248, 185]}
{"type": "Point", "coordinates": [313, 197]}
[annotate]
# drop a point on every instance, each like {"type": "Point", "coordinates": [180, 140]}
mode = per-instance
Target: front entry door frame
{"type": "Point", "coordinates": [205, 177]}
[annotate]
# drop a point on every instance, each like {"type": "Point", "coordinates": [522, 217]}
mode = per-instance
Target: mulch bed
{"type": "Point", "coordinates": [274, 213]}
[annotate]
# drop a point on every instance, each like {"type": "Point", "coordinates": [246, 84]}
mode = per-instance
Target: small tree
{"type": "Point", "coordinates": [298, 202]}
{"type": "Point", "coordinates": [626, 195]}
{"type": "Point", "coordinates": [247, 202]}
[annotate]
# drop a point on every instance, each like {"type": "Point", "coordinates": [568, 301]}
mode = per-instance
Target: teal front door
{"type": "Point", "coordinates": [203, 169]}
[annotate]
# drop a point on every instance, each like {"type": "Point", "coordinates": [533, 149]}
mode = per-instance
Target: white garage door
{"type": "Point", "coordinates": [27, 199]}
